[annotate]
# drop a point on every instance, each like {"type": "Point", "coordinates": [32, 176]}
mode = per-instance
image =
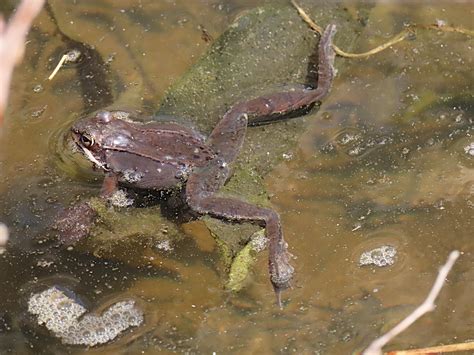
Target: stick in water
{"type": "Point", "coordinates": [12, 44]}
{"type": "Point", "coordinates": [375, 348]}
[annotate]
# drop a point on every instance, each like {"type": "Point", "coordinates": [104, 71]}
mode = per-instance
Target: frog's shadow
{"type": "Point", "coordinates": [172, 203]}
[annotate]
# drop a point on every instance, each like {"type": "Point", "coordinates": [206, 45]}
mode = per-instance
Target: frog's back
{"type": "Point", "coordinates": [158, 155]}
{"type": "Point", "coordinates": [170, 143]}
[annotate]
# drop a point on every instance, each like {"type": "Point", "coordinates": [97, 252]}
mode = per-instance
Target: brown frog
{"type": "Point", "coordinates": [160, 156]}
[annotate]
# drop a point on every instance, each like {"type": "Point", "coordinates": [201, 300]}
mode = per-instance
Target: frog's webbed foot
{"type": "Point", "coordinates": [74, 224]}
{"type": "Point", "coordinates": [281, 271]}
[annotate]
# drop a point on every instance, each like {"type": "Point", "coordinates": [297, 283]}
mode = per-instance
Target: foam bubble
{"type": "Point", "coordinates": [61, 314]}
{"type": "Point", "coordinates": [121, 199]}
{"type": "Point", "coordinates": [132, 176]}
{"type": "Point", "coordinates": [469, 149]}
{"type": "Point", "coordinates": [164, 245]}
{"type": "Point", "coordinates": [259, 242]}
{"type": "Point", "coordinates": [382, 256]}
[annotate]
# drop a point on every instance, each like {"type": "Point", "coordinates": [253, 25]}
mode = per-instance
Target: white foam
{"type": "Point", "coordinates": [61, 315]}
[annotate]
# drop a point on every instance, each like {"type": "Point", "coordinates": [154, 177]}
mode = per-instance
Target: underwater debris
{"type": "Point", "coordinates": [61, 314]}
{"type": "Point", "coordinates": [382, 256]}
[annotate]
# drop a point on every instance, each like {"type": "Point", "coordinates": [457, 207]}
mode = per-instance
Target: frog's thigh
{"type": "Point", "coordinates": [233, 209]}
{"type": "Point", "coordinates": [200, 196]}
{"type": "Point", "coordinates": [206, 181]}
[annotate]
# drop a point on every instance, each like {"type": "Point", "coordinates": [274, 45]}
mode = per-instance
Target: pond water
{"type": "Point", "coordinates": [386, 162]}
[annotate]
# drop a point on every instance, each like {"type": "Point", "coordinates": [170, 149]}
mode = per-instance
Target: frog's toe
{"type": "Point", "coordinates": [74, 223]}
{"type": "Point", "coordinates": [281, 277]}
{"type": "Point", "coordinates": [281, 272]}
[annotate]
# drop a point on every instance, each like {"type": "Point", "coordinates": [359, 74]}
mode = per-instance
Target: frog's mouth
{"type": "Point", "coordinates": [93, 159]}
{"type": "Point", "coordinates": [88, 154]}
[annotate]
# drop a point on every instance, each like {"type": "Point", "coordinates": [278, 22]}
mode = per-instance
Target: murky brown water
{"type": "Point", "coordinates": [384, 162]}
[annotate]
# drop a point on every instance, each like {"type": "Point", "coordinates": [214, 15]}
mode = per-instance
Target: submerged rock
{"type": "Point", "coordinates": [265, 50]}
{"type": "Point", "coordinates": [67, 319]}
{"type": "Point", "coordinates": [122, 227]}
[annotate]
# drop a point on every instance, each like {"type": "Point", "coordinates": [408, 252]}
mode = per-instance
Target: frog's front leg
{"type": "Point", "coordinates": [74, 223]}
{"type": "Point", "coordinates": [109, 186]}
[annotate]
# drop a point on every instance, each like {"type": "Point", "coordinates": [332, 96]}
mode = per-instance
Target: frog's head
{"type": "Point", "coordinates": [105, 130]}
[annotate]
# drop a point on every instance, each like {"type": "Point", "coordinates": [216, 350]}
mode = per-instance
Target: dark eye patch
{"type": "Point", "coordinates": [86, 141]}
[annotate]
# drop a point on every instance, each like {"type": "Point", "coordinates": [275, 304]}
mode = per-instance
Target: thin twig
{"type": "Point", "coordinates": [60, 64]}
{"type": "Point", "coordinates": [446, 28]}
{"type": "Point", "coordinates": [375, 348]}
{"type": "Point", "coordinates": [405, 33]}
{"type": "Point", "coordinates": [448, 348]}
{"type": "Point", "coordinates": [12, 44]}
{"type": "Point", "coordinates": [3, 237]}
{"type": "Point", "coordinates": [306, 18]}
{"type": "Point", "coordinates": [394, 40]}
{"type": "Point", "coordinates": [398, 38]}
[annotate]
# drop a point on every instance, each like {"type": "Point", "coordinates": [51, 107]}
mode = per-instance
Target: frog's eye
{"type": "Point", "coordinates": [87, 141]}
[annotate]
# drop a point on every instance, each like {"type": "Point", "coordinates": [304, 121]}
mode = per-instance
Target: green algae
{"type": "Point", "coordinates": [243, 262]}
{"type": "Point", "coordinates": [124, 226]}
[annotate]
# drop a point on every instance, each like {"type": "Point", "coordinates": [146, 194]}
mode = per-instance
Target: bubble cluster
{"type": "Point", "coordinates": [120, 199]}
{"type": "Point", "coordinates": [132, 176]}
{"type": "Point", "coordinates": [73, 55]}
{"type": "Point", "coordinates": [122, 115]}
{"type": "Point", "coordinates": [38, 88]}
{"type": "Point", "coordinates": [164, 245]}
{"type": "Point", "coordinates": [259, 242]}
{"type": "Point", "coordinates": [382, 256]}
{"type": "Point", "coordinates": [469, 149]}
{"type": "Point", "coordinates": [60, 314]}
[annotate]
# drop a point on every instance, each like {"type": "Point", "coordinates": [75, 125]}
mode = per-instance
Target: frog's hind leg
{"type": "Point", "coordinates": [227, 137]}
{"type": "Point", "coordinates": [226, 141]}
{"type": "Point", "coordinates": [200, 189]}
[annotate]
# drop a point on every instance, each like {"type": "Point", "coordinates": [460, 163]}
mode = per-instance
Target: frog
{"type": "Point", "coordinates": [159, 156]}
